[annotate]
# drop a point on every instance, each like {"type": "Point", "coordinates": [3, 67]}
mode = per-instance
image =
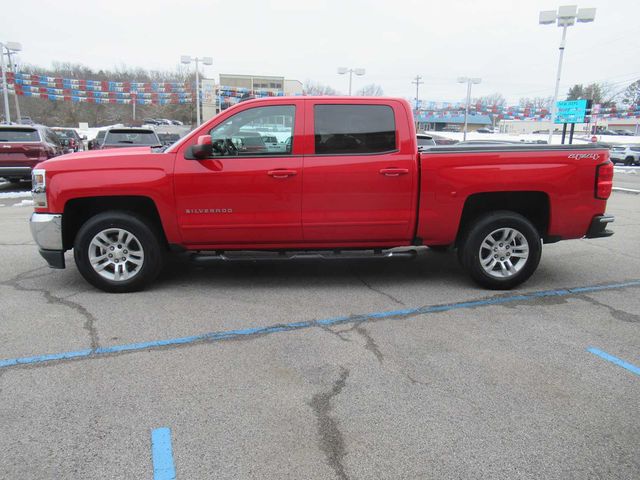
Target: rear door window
{"type": "Point", "coordinates": [354, 129]}
{"type": "Point", "coordinates": [19, 135]}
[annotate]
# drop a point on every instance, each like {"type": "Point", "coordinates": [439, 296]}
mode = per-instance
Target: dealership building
{"type": "Point", "coordinates": [214, 98]}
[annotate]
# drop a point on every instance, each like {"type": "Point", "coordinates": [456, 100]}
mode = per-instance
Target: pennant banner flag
{"type": "Point", "coordinates": [166, 93]}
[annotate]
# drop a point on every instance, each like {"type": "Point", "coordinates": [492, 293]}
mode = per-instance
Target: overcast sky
{"type": "Point", "coordinates": [499, 41]}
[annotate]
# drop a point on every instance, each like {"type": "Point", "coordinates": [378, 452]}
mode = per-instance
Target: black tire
{"type": "Point", "coordinates": [146, 238]}
{"type": "Point", "coordinates": [469, 250]}
{"type": "Point", "coordinates": [628, 162]}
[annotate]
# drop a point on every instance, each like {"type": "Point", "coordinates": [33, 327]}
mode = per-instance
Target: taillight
{"type": "Point", "coordinates": [36, 153]}
{"type": "Point", "coordinates": [604, 180]}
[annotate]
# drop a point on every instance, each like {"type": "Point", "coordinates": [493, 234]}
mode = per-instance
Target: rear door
{"type": "Point", "coordinates": [360, 174]}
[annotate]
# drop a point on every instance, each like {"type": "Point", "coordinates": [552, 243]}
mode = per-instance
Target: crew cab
{"type": "Point", "coordinates": [23, 147]}
{"type": "Point", "coordinates": [348, 180]}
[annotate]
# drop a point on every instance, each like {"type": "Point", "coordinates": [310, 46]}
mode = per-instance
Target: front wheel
{"type": "Point", "coordinates": [118, 252]}
{"type": "Point", "coordinates": [629, 161]}
{"type": "Point", "coordinates": [501, 250]}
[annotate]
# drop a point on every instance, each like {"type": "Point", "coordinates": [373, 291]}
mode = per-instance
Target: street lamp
{"type": "Point", "coordinates": [469, 81]}
{"type": "Point", "coordinates": [351, 71]}
{"type": "Point", "coordinates": [186, 59]}
{"type": "Point", "coordinates": [566, 16]}
{"type": "Point", "coordinates": [10, 47]}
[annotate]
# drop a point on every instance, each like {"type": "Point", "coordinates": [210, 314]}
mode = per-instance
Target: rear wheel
{"type": "Point", "coordinates": [629, 161]}
{"type": "Point", "coordinates": [501, 250]}
{"type": "Point", "coordinates": [118, 252]}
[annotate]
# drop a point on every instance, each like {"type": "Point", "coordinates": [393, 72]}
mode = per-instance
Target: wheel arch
{"type": "Point", "coordinates": [78, 210]}
{"type": "Point", "coordinates": [535, 206]}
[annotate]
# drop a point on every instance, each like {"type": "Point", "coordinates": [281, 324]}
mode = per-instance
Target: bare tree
{"type": "Point", "coordinates": [371, 90]}
{"type": "Point", "coordinates": [317, 88]}
{"type": "Point", "coordinates": [65, 113]}
{"type": "Point", "coordinates": [536, 102]}
{"type": "Point", "coordinates": [491, 100]}
{"type": "Point", "coordinates": [631, 95]}
{"type": "Point", "coordinates": [601, 93]}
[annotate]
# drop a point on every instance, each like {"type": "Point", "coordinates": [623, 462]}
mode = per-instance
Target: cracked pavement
{"type": "Point", "coordinates": [498, 391]}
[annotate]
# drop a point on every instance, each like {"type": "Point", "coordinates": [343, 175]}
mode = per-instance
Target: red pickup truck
{"type": "Point", "coordinates": [343, 174]}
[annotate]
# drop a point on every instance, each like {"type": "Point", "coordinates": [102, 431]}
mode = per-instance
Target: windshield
{"type": "Point", "coordinates": [132, 137]}
{"type": "Point", "coordinates": [19, 135]}
{"type": "Point", "coordinates": [65, 133]}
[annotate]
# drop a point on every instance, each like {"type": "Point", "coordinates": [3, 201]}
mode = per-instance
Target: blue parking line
{"type": "Point", "coordinates": [287, 327]}
{"type": "Point", "coordinates": [162, 454]}
{"type": "Point", "coordinates": [616, 360]}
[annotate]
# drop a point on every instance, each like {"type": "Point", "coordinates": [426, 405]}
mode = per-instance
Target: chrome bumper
{"type": "Point", "coordinates": [46, 230]}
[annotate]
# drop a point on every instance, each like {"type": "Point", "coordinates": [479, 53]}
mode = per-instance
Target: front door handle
{"type": "Point", "coordinates": [394, 172]}
{"type": "Point", "coordinates": [281, 173]}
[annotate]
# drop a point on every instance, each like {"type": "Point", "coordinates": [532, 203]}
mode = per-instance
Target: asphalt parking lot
{"type": "Point", "coordinates": [323, 369]}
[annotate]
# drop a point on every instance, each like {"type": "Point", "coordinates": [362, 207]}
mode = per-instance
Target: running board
{"type": "Point", "coordinates": [230, 255]}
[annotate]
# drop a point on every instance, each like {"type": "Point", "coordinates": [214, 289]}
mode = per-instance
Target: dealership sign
{"type": "Point", "coordinates": [571, 111]}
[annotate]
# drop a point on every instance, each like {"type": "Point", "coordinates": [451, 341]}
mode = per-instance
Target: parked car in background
{"type": "Point", "coordinates": [425, 141]}
{"type": "Point", "coordinates": [25, 120]}
{"type": "Point", "coordinates": [130, 137]}
{"type": "Point", "coordinates": [625, 154]}
{"type": "Point", "coordinates": [625, 132]}
{"type": "Point", "coordinates": [95, 143]}
{"type": "Point", "coordinates": [168, 138]}
{"type": "Point", "coordinates": [71, 139]}
{"type": "Point", "coordinates": [22, 147]}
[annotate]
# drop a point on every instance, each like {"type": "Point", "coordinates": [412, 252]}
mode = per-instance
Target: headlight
{"type": "Point", "coordinates": [39, 187]}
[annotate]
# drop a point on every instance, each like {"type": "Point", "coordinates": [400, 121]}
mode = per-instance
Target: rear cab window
{"type": "Point", "coordinates": [19, 135]}
{"type": "Point", "coordinates": [354, 129]}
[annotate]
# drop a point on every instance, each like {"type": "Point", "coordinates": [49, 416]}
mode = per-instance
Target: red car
{"type": "Point", "coordinates": [347, 176]}
{"type": "Point", "coordinates": [22, 147]}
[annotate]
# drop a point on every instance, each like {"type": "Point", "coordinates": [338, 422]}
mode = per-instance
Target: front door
{"type": "Point", "coordinates": [250, 189]}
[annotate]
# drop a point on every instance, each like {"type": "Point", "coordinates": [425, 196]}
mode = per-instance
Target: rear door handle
{"type": "Point", "coordinates": [281, 173]}
{"type": "Point", "coordinates": [394, 172]}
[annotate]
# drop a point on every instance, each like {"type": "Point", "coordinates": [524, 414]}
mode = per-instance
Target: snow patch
{"type": "Point", "coordinates": [627, 170]}
{"type": "Point", "coordinates": [15, 194]}
{"type": "Point", "coordinates": [24, 203]}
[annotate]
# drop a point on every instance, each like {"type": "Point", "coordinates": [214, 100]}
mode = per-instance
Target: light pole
{"type": "Point", "coordinates": [469, 81]}
{"type": "Point", "coordinates": [186, 59]}
{"type": "Point", "coordinates": [417, 82]}
{"type": "Point", "coordinates": [351, 71]}
{"type": "Point", "coordinates": [10, 47]}
{"type": "Point", "coordinates": [566, 16]}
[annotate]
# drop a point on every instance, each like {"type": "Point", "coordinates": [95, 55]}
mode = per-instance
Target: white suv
{"type": "Point", "coordinates": [626, 154]}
